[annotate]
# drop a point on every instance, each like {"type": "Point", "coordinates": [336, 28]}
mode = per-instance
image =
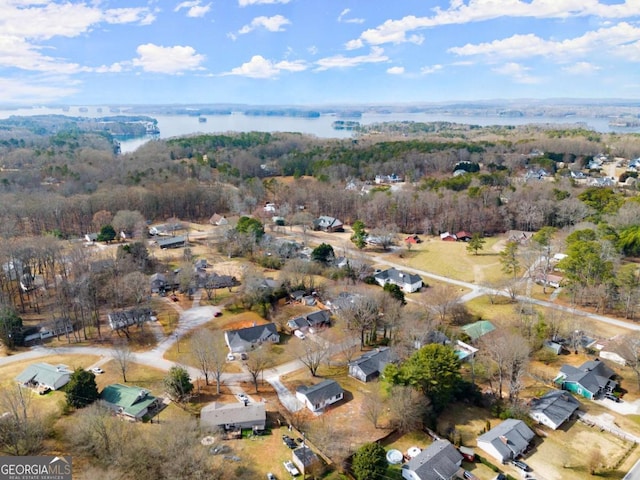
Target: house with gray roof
{"type": "Point", "coordinates": [439, 461]}
{"type": "Point", "coordinates": [172, 242]}
{"type": "Point", "coordinates": [507, 441]}
{"type": "Point", "coordinates": [370, 364]}
{"type": "Point", "coordinates": [408, 282]}
{"type": "Point", "coordinates": [590, 380]}
{"type": "Point", "coordinates": [246, 339]}
{"type": "Point", "coordinates": [553, 409]}
{"type": "Point", "coordinates": [317, 397]}
{"type": "Point", "coordinates": [128, 401]}
{"type": "Point", "coordinates": [44, 375]}
{"type": "Point", "coordinates": [233, 416]}
{"type": "Point", "coordinates": [306, 460]}
{"type": "Point", "coordinates": [328, 224]}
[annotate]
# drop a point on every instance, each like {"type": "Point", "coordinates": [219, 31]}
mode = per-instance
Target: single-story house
{"type": "Point", "coordinates": [328, 224]}
{"type": "Point", "coordinates": [158, 282]}
{"type": "Point", "coordinates": [128, 401]}
{"type": "Point", "coordinates": [245, 339]}
{"type": "Point", "coordinates": [553, 409]}
{"type": "Point", "coordinates": [218, 220]}
{"type": "Point", "coordinates": [91, 237]}
{"type": "Point", "coordinates": [616, 350]}
{"type": "Point", "coordinates": [45, 375]}
{"type": "Point", "coordinates": [306, 460]}
{"type": "Point", "coordinates": [448, 237]}
{"type": "Point", "coordinates": [127, 318]}
{"type": "Point", "coordinates": [316, 397]}
{"type": "Point", "coordinates": [311, 321]}
{"type": "Point", "coordinates": [439, 461]}
{"type": "Point", "coordinates": [589, 380]}
{"type": "Point", "coordinates": [370, 364]}
{"type": "Point", "coordinates": [555, 347]}
{"type": "Point", "coordinates": [463, 236]}
{"type": "Point", "coordinates": [408, 282]}
{"type": "Point", "coordinates": [478, 329]}
{"type": "Point", "coordinates": [172, 242]}
{"type": "Point", "coordinates": [413, 239]}
{"type": "Point", "coordinates": [464, 351]}
{"type": "Point", "coordinates": [201, 264]}
{"type": "Point", "coordinates": [507, 441]}
{"type": "Point", "coordinates": [233, 416]}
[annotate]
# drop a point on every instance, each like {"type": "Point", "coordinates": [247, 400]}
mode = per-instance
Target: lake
{"type": "Point", "coordinates": [180, 125]}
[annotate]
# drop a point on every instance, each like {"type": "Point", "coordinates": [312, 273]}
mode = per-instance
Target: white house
{"type": "Point", "coordinates": [317, 397]}
{"type": "Point", "coordinates": [408, 282]}
{"type": "Point", "coordinates": [38, 375]}
{"type": "Point", "coordinates": [246, 339]}
{"type": "Point", "coordinates": [553, 408]}
{"type": "Point", "coordinates": [507, 441]}
{"type": "Point", "coordinates": [231, 416]}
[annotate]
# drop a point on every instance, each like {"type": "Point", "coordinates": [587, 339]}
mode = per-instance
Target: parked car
{"type": "Point", "coordinates": [243, 356]}
{"type": "Point", "coordinates": [243, 398]}
{"type": "Point", "coordinates": [217, 314]}
{"type": "Point", "coordinates": [521, 465]}
{"type": "Point", "coordinates": [230, 357]}
{"type": "Point", "coordinates": [271, 476]}
{"type": "Point", "coordinates": [289, 442]}
{"type": "Point", "coordinates": [299, 334]}
{"type": "Point", "coordinates": [612, 397]}
{"type": "Point", "coordinates": [291, 468]}
{"type": "Point", "coordinates": [500, 476]}
{"type": "Point", "coordinates": [468, 475]}
{"type": "Point", "coordinates": [97, 370]}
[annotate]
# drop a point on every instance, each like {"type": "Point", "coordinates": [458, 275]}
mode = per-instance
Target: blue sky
{"type": "Point", "coordinates": [316, 52]}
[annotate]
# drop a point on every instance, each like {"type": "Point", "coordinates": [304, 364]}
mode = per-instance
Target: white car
{"type": "Point", "coordinates": [291, 468]}
{"type": "Point", "coordinates": [97, 370]}
{"type": "Point", "coordinates": [299, 334]}
{"type": "Point", "coordinates": [243, 398]}
{"type": "Point", "coordinates": [230, 357]}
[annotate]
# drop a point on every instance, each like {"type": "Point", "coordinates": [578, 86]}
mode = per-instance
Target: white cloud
{"type": "Point", "coordinates": [313, 50]}
{"type": "Point", "coordinates": [170, 60]}
{"type": "Point", "coordinates": [16, 91]}
{"type": "Point", "coordinates": [622, 39]}
{"type": "Point", "coordinates": [141, 16]}
{"type": "Point", "coordinates": [431, 69]}
{"type": "Point", "coordinates": [194, 8]}
{"type": "Point", "coordinates": [581, 68]}
{"type": "Point", "coordinates": [344, 13]}
{"type": "Point", "coordinates": [461, 12]}
{"type": "Point", "coordinates": [260, 67]}
{"type": "Point", "coordinates": [245, 3]}
{"type": "Point", "coordinates": [395, 70]}
{"type": "Point", "coordinates": [272, 24]}
{"type": "Point", "coordinates": [354, 44]}
{"type": "Point", "coordinates": [340, 61]}
{"type": "Point", "coordinates": [517, 72]}
{"type": "Point", "coordinates": [17, 53]}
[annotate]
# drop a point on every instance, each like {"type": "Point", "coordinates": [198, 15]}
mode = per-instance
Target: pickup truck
{"type": "Point", "coordinates": [291, 468]}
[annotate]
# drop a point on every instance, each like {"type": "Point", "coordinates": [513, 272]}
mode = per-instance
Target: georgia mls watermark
{"type": "Point", "coordinates": [35, 468]}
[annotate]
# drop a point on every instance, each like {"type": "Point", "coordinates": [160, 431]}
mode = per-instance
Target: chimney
{"type": "Point", "coordinates": [503, 439]}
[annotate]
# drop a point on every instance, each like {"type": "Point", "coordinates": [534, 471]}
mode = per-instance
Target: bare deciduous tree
{"type": "Point", "coordinates": [509, 356]}
{"type": "Point", "coordinates": [311, 352]}
{"type": "Point", "coordinates": [258, 361]}
{"type": "Point", "coordinates": [123, 356]}
{"type": "Point", "coordinates": [373, 407]}
{"type": "Point", "coordinates": [408, 408]}
{"type": "Point", "coordinates": [208, 348]}
{"type": "Point", "coordinates": [21, 430]}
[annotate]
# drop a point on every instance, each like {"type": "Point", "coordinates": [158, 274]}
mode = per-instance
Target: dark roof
{"type": "Point", "coordinates": [298, 322]}
{"type": "Point", "coordinates": [557, 405]}
{"type": "Point", "coordinates": [167, 242]}
{"type": "Point", "coordinates": [305, 456]}
{"type": "Point", "coordinates": [398, 276]}
{"type": "Point", "coordinates": [217, 413]}
{"type": "Point", "coordinates": [321, 391]}
{"type": "Point", "coordinates": [327, 222]}
{"type": "Point", "coordinates": [510, 438]}
{"type": "Point", "coordinates": [373, 361]}
{"type": "Point", "coordinates": [439, 460]}
{"type": "Point", "coordinates": [592, 375]}
{"type": "Point", "coordinates": [319, 317]}
{"type": "Point", "coordinates": [253, 334]}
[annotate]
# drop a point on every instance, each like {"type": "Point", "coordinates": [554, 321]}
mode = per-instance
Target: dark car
{"type": "Point", "coordinates": [521, 465]}
{"type": "Point", "coordinates": [612, 397]}
{"type": "Point", "coordinates": [243, 356]}
{"type": "Point", "coordinates": [501, 476]}
{"type": "Point", "coordinates": [289, 442]}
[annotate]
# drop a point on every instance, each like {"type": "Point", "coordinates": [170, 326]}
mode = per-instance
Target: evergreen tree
{"type": "Point", "coordinates": [107, 234]}
{"type": "Point", "coordinates": [476, 243]}
{"type": "Point", "coordinates": [81, 389]}
{"type": "Point", "coordinates": [369, 462]}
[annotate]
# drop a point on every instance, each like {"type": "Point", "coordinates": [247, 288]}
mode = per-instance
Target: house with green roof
{"type": "Point", "coordinates": [478, 329]}
{"type": "Point", "coordinates": [129, 401]}
{"type": "Point", "coordinates": [44, 375]}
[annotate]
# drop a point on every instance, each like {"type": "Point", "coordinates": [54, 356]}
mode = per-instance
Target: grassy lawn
{"type": "Point", "coordinates": [452, 260]}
